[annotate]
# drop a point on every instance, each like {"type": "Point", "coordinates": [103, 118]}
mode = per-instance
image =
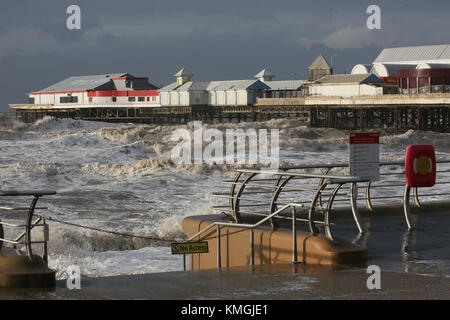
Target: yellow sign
{"type": "Point", "coordinates": [423, 165]}
{"type": "Point", "coordinates": [189, 247]}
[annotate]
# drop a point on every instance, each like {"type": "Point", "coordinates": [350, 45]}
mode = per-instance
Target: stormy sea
{"type": "Point", "coordinates": [120, 177]}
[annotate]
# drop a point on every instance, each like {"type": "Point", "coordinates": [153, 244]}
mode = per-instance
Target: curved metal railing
{"type": "Point", "coordinates": [250, 192]}
{"type": "Point", "coordinates": [251, 227]}
{"type": "Point", "coordinates": [24, 238]}
{"type": "Point", "coordinates": [281, 178]}
{"type": "Point", "coordinates": [253, 188]}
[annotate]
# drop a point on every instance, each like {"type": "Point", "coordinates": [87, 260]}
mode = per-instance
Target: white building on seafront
{"type": "Point", "coordinates": [107, 90]}
{"type": "Point", "coordinates": [280, 88]}
{"type": "Point", "coordinates": [391, 60]}
{"type": "Point", "coordinates": [185, 92]}
{"type": "Point", "coordinates": [347, 85]}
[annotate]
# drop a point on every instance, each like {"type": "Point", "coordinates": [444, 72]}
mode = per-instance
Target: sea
{"type": "Point", "coordinates": [120, 177]}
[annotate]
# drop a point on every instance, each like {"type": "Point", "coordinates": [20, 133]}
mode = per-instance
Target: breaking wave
{"type": "Point", "coordinates": [95, 166]}
{"type": "Point", "coordinates": [9, 124]}
{"type": "Point", "coordinates": [440, 141]}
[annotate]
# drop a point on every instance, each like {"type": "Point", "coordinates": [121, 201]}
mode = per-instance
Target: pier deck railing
{"type": "Point", "coordinates": [24, 238]}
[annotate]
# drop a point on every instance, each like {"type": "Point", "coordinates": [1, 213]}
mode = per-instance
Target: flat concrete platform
{"type": "Point", "coordinates": [269, 246]}
{"type": "Point", "coordinates": [18, 271]}
{"type": "Point", "coordinates": [269, 282]}
{"type": "Point", "coordinates": [414, 265]}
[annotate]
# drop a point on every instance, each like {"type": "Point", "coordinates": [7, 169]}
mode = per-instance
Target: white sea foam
{"type": "Point", "coordinates": [120, 177]}
{"type": "Point", "coordinates": [110, 263]}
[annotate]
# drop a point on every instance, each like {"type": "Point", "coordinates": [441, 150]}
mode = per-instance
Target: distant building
{"type": "Point", "coordinates": [264, 76]}
{"type": "Point", "coordinates": [186, 92]}
{"type": "Point", "coordinates": [183, 76]}
{"type": "Point", "coordinates": [319, 68]}
{"type": "Point", "coordinates": [439, 54]}
{"type": "Point", "coordinates": [424, 80]}
{"type": "Point", "coordinates": [346, 85]}
{"type": "Point", "coordinates": [362, 68]}
{"type": "Point", "coordinates": [285, 89]}
{"type": "Point", "coordinates": [119, 89]}
{"type": "Point", "coordinates": [280, 88]}
{"type": "Point", "coordinates": [183, 91]}
{"type": "Point", "coordinates": [392, 61]}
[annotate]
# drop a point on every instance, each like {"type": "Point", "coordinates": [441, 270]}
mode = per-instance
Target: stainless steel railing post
{"type": "Point", "coordinates": [406, 208]}
{"type": "Point", "coordinates": [2, 235]}
{"type": "Point", "coordinates": [219, 262]}
{"type": "Point", "coordinates": [294, 237]}
{"type": "Point", "coordinates": [29, 227]}
{"type": "Point", "coordinates": [416, 197]}
{"type": "Point", "coordinates": [46, 239]}
{"type": "Point", "coordinates": [231, 200]}
{"type": "Point", "coordinates": [312, 209]}
{"type": "Point", "coordinates": [29, 224]}
{"type": "Point", "coordinates": [252, 247]}
{"type": "Point", "coordinates": [354, 204]}
{"type": "Point", "coordinates": [319, 200]}
{"type": "Point", "coordinates": [368, 200]}
{"type": "Point", "coordinates": [237, 199]}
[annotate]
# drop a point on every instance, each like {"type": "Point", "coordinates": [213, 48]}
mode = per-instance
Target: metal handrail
{"type": "Point", "coordinates": [278, 187]}
{"type": "Point", "coordinates": [312, 222]}
{"type": "Point", "coordinates": [238, 189]}
{"type": "Point", "coordinates": [251, 227]}
{"type": "Point", "coordinates": [245, 177]}
{"type": "Point", "coordinates": [29, 224]}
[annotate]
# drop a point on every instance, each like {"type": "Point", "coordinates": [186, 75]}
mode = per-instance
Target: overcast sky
{"type": "Point", "coordinates": [215, 40]}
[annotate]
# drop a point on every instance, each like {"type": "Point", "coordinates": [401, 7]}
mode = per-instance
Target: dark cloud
{"type": "Point", "coordinates": [214, 39]}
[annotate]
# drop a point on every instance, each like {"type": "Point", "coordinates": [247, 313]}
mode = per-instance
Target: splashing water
{"type": "Point", "coordinates": [120, 177]}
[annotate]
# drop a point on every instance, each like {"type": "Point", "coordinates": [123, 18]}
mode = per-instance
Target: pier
{"type": "Point", "coordinates": [402, 112]}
